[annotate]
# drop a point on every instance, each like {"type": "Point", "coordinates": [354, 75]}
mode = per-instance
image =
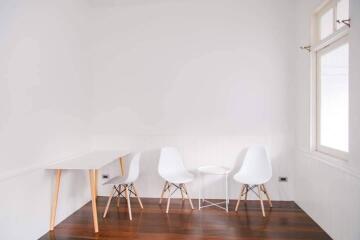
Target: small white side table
{"type": "Point", "coordinates": [213, 170]}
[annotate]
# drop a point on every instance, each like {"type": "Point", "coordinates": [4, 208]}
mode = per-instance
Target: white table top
{"type": "Point", "coordinates": [92, 160]}
{"type": "Point", "coordinates": [213, 169]}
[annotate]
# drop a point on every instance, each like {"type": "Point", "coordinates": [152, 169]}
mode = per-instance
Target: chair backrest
{"type": "Point", "coordinates": [132, 172]}
{"type": "Point", "coordinates": [170, 162]}
{"type": "Point", "coordinates": [257, 164]}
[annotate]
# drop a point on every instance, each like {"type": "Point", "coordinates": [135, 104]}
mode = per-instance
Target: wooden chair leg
{"type": "Point", "coordinates": [266, 194]}
{"type": "Point", "coordinates": [182, 194]}
{"type": "Point", "coordinates": [109, 201]}
{"type": "Point", "coordinates": [187, 195]}
{"type": "Point", "coordinates": [118, 197]}
{"type": "Point", "coordinates": [163, 191]}
{"type": "Point", "coordinates": [168, 200]}
{"type": "Point", "coordinates": [261, 201]}
{"type": "Point", "coordinates": [247, 190]}
{"type": "Point", "coordinates": [138, 198]}
{"type": "Point", "coordinates": [241, 193]}
{"type": "Point", "coordinates": [128, 200]}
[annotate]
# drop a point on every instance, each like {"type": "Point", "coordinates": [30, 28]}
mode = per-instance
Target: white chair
{"type": "Point", "coordinates": [254, 173]}
{"type": "Point", "coordinates": [125, 184]}
{"type": "Point", "coordinates": [172, 170]}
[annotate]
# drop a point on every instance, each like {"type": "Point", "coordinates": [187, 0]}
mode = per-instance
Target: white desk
{"type": "Point", "coordinates": [92, 162]}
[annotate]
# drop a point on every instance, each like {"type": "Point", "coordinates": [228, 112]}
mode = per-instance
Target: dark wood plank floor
{"type": "Point", "coordinates": [285, 221]}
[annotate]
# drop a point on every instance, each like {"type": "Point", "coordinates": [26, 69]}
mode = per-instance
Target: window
{"type": "Point", "coordinates": [333, 103]}
{"type": "Point", "coordinates": [326, 23]}
{"type": "Point", "coordinates": [332, 79]}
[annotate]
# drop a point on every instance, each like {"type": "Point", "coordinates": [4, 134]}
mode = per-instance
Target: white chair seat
{"type": "Point", "coordinates": [117, 180]}
{"type": "Point", "coordinates": [249, 179]}
{"type": "Point", "coordinates": [179, 178]}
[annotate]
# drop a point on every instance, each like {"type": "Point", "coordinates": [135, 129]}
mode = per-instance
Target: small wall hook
{"type": "Point", "coordinates": [345, 21]}
{"type": "Point", "coordinates": [308, 48]}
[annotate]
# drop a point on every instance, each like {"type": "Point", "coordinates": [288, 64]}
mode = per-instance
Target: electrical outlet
{"type": "Point", "coordinates": [283, 179]}
{"type": "Point", "coordinates": [105, 176]}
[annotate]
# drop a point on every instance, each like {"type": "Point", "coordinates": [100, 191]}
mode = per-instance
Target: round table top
{"type": "Point", "coordinates": [213, 169]}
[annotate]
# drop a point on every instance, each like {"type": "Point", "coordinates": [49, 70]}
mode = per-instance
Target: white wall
{"type": "Point", "coordinates": [44, 110]}
{"type": "Point", "coordinates": [328, 189]}
{"type": "Point", "coordinates": [209, 77]}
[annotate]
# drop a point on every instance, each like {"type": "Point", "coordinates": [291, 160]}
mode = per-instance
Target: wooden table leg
{"type": "Point", "coordinates": [122, 166]}
{"type": "Point", "coordinates": [55, 199]}
{"type": "Point", "coordinates": [92, 175]}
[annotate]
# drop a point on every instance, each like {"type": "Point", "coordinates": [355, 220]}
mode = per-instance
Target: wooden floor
{"type": "Point", "coordinates": [285, 221]}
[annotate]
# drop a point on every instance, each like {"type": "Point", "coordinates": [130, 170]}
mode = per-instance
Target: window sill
{"type": "Point", "coordinates": [332, 154]}
{"type": "Point", "coordinates": [327, 157]}
{"type": "Point", "coordinates": [338, 163]}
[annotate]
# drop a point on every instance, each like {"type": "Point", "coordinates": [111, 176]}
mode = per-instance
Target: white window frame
{"type": "Point", "coordinates": [323, 10]}
{"type": "Point", "coordinates": [320, 47]}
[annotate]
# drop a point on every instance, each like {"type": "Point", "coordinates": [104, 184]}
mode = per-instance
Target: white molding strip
{"type": "Point", "coordinates": [21, 171]}
{"type": "Point", "coordinates": [330, 161]}
{"type": "Point", "coordinates": [342, 32]}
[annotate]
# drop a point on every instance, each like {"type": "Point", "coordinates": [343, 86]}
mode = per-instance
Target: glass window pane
{"type": "Point", "coordinates": [342, 12]}
{"type": "Point", "coordinates": [334, 98]}
{"type": "Point", "coordinates": [327, 23]}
